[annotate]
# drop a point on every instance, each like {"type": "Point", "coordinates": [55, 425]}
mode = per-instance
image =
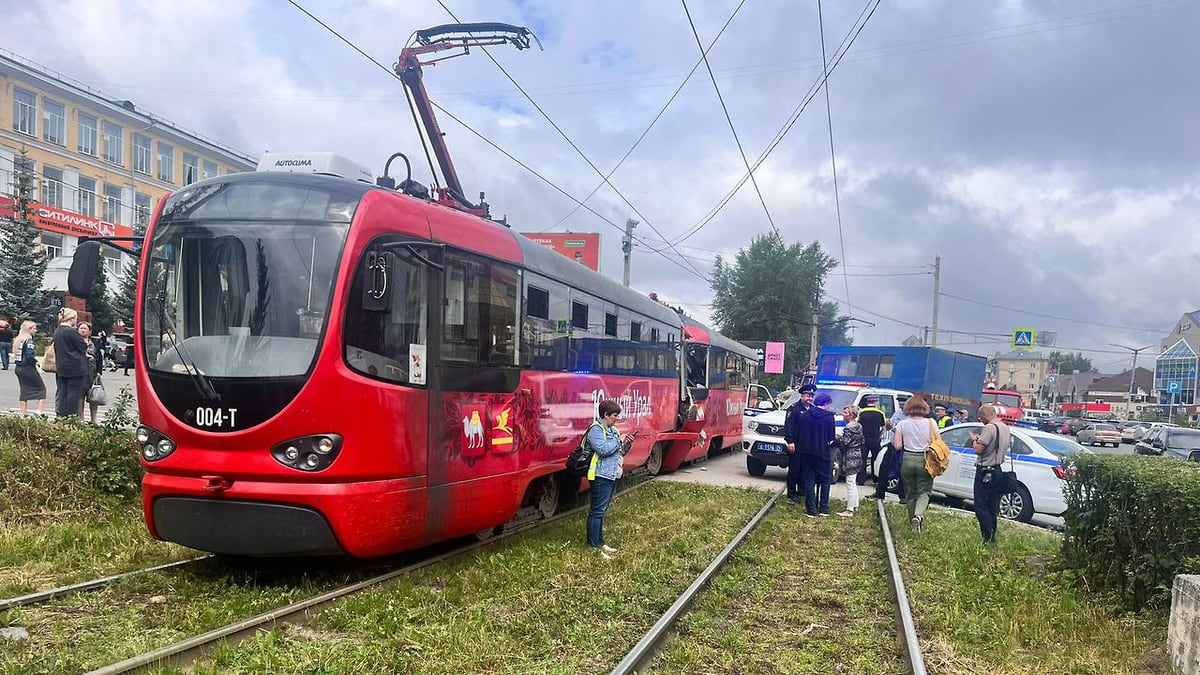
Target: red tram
{"type": "Point", "coordinates": [331, 367]}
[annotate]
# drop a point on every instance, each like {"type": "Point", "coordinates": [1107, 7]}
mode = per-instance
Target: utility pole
{"type": "Point", "coordinates": [1132, 374]}
{"type": "Point", "coordinates": [627, 245]}
{"type": "Point", "coordinates": [937, 292]}
{"type": "Point", "coordinates": [812, 345]}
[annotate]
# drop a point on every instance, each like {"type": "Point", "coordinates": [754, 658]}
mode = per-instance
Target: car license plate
{"type": "Point", "coordinates": [770, 447]}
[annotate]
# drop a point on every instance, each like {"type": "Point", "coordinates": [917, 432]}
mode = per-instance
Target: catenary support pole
{"type": "Point", "coordinates": [937, 292]}
{"type": "Point", "coordinates": [627, 246]}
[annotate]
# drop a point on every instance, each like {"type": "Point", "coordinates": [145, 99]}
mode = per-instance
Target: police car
{"type": "Point", "coordinates": [762, 425]}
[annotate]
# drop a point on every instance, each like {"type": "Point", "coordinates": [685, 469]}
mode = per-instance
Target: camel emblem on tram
{"type": "Point", "coordinates": [473, 430]}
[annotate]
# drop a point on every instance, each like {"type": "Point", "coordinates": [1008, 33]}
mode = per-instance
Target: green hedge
{"type": "Point", "coordinates": [1132, 524]}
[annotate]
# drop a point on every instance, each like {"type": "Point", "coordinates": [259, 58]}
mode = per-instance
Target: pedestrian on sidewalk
{"type": "Point", "coordinates": [95, 359]}
{"type": "Point", "coordinates": [851, 443]}
{"type": "Point", "coordinates": [6, 343]}
{"type": "Point", "coordinates": [33, 388]}
{"type": "Point", "coordinates": [71, 372]}
{"type": "Point", "coordinates": [913, 436]}
{"type": "Point", "coordinates": [798, 411]}
{"type": "Point", "coordinates": [608, 452]}
{"type": "Point", "coordinates": [991, 445]}
{"type": "Point", "coordinates": [874, 422]}
{"type": "Point", "coordinates": [814, 433]}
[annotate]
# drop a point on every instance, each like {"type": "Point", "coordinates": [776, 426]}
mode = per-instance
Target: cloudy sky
{"type": "Point", "coordinates": [1046, 150]}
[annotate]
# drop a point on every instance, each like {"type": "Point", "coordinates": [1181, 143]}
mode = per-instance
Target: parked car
{"type": "Point", "coordinates": [1072, 425]}
{"type": "Point", "coordinates": [1171, 441]}
{"type": "Point", "coordinates": [1098, 433]}
{"type": "Point", "coordinates": [115, 355]}
{"type": "Point", "coordinates": [1132, 432]}
{"type": "Point", "coordinates": [1035, 456]}
{"type": "Point", "coordinates": [1051, 425]}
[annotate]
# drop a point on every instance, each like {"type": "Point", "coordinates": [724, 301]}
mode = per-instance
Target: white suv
{"type": "Point", "coordinates": [762, 426]}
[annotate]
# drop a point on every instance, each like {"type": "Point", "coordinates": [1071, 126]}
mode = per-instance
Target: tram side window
{"type": "Point", "coordinates": [635, 331]}
{"type": "Point", "coordinates": [480, 311]}
{"type": "Point", "coordinates": [697, 365]}
{"type": "Point", "coordinates": [379, 343]}
{"type": "Point", "coordinates": [610, 324]}
{"type": "Point", "coordinates": [716, 368]}
{"type": "Point", "coordinates": [537, 303]}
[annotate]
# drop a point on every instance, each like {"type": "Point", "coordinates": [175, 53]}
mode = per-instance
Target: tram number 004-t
{"type": "Point", "coordinates": [215, 417]}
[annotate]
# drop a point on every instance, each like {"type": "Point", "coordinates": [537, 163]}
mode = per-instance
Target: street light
{"type": "Point", "coordinates": [1132, 374]}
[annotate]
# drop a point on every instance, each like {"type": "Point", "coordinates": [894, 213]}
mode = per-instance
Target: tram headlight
{"type": "Point", "coordinates": [155, 444]}
{"type": "Point", "coordinates": [308, 453]}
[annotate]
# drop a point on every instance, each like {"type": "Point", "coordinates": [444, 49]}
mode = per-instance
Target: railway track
{"type": "Point", "coordinates": [642, 655]}
{"type": "Point", "coordinates": [93, 585]}
{"type": "Point", "coordinates": [190, 649]}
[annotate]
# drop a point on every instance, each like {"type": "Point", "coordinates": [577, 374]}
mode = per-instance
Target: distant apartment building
{"type": "Point", "coordinates": [1025, 372]}
{"type": "Point", "coordinates": [101, 164]}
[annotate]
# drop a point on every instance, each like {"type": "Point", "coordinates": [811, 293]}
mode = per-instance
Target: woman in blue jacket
{"type": "Point", "coordinates": [608, 450]}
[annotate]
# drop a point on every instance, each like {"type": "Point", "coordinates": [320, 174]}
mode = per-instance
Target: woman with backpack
{"type": "Point", "coordinates": [851, 442]}
{"type": "Point", "coordinates": [607, 446]}
{"type": "Point", "coordinates": [913, 436]}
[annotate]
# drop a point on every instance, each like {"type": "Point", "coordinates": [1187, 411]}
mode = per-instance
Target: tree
{"type": "Point", "coordinates": [1068, 363]}
{"type": "Point", "coordinates": [22, 262]}
{"type": "Point", "coordinates": [769, 291]}
{"type": "Point", "coordinates": [101, 307]}
{"type": "Point", "coordinates": [125, 299]}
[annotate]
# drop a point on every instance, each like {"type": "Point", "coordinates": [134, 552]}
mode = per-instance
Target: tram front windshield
{"type": "Point", "coordinates": [239, 280]}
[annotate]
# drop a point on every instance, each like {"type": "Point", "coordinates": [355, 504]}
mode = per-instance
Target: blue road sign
{"type": "Point", "coordinates": [1022, 338]}
{"type": "Point", "coordinates": [1174, 387]}
{"type": "Point", "coordinates": [1050, 379]}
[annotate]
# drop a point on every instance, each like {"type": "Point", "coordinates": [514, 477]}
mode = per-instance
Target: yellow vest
{"type": "Point", "coordinates": [596, 458]}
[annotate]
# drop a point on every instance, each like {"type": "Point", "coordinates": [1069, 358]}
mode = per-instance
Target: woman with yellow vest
{"type": "Point", "coordinates": [608, 447]}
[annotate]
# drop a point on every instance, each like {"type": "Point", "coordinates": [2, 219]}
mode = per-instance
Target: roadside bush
{"type": "Point", "coordinates": [1132, 524]}
{"type": "Point", "coordinates": [52, 467]}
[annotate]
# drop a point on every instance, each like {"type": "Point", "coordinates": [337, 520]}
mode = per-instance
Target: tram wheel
{"type": "Point", "coordinates": [487, 533]}
{"type": "Point", "coordinates": [547, 495]}
{"type": "Point", "coordinates": [655, 460]}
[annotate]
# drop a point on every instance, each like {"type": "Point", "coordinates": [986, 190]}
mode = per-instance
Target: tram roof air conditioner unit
{"type": "Point", "coordinates": [326, 163]}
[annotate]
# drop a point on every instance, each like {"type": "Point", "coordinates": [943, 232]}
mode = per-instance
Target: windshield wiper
{"type": "Point", "coordinates": [203, 386]}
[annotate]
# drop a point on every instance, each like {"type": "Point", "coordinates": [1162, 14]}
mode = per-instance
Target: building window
{"type": "Point", "coordinates": [166, 163]}
{"type": "Point", "coordinates": [52, 187]}
{"type": "Point", "coordinates": [114, 139]}
{"type": "Point", "coordinates": [51, 244]}
{"type": "Point", "coordinates": [112, 203]}
{"type": "Point", "coordinates": [191, 168]}
{"type": "Point", "coordinates": [87, 196]}
{"type": "Point", "coordinates": [141, 154]}
{"type": "Point", "coordinates": [87, 134]}
{"type": "Point", "coordinates": [24, 111]}
{"type": "Point", "coordinates": [54, 127]}
{"type": "Point", "coordinates": [141, 209]}
{"type": "Point", "coordinates": [112, 260]}
{"type": "Point", "coordinates": [209, 170]}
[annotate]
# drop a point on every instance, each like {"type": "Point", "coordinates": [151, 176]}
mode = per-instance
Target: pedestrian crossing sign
{"type": "Point", "coordinates": [1022, 338]}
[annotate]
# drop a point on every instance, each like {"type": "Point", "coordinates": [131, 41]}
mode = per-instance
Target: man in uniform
{"type": "Point", "coordinates": [873, 421]}
{"type": "Point", "coordinates": [940, 416]}
{"type": "Point", "coordinates": [790, 430]}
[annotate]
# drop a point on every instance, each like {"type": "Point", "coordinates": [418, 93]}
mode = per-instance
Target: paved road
{"type": "Point", "coordinates": [10, 391]}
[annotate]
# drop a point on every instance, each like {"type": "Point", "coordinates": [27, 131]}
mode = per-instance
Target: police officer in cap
{"type": "Point", "coordinates": [790, 428]}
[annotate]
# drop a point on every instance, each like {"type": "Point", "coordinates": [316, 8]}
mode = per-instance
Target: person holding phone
{"type": "Point", "coordinates": [608, 452]}
{"type": "Point", "coordinates": [991, 446]}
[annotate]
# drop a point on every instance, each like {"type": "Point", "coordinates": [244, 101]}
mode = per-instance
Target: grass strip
{"type": "Point", "coordinates": [1007, 609]}
{"type": "Point", "coordinates": [39, 556]}
{"type": "Point", "coordinates": [90, 630]}
{"type": "Point", "coordinates": [801, 595]}
{"type": "Point", "coordinates": [541, 602]}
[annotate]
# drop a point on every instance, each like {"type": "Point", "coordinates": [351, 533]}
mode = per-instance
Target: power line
{"type": "Point", "coordinates": [837, 202]}
{"type": "Point", "coordinates": [485, 139]}
{"type": "Point", "coordinates": [566, 138]}
{"type": "Point", "coordinates": [1051, 316]}
{"type": "Point", "coordinates": [653, 121]}
{"type": "Point", "coordinates": [721, 99]}
{"type": "Point", "coordinates": [855, 30]}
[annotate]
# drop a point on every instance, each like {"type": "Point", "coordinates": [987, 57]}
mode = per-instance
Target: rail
{"type": "Point", "coordinates": [907, 635]}
{"type": "Point", "coordinates": [94, 584]}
